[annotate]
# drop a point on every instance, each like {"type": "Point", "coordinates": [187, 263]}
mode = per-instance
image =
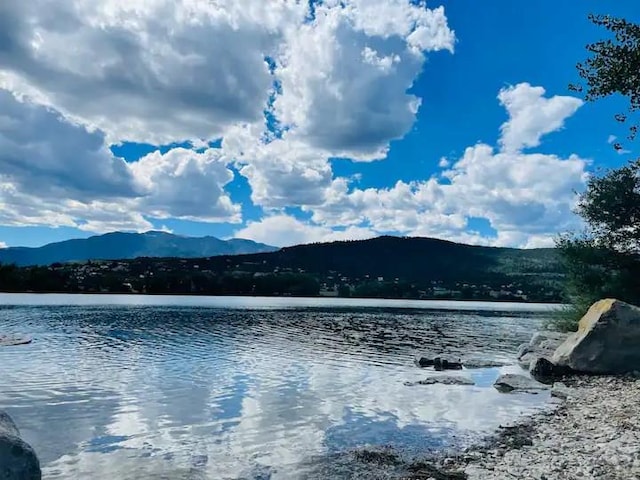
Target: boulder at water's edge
{"type": "Point", "coordinates": [607, 340]}
{"type": "Point", "coordinates": [18, 461]}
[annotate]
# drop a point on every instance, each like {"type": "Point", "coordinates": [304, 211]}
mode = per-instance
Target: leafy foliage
{"type": "Point", "coordinates": [566, 318]}
{"type": "Point", "coordinates": [614, 67]}
{"type": "Point", "coordinates": [604, 260]}
{"type": "Point", "coordinates": [611, 208]}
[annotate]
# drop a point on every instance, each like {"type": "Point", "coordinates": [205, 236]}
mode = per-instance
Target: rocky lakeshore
{"type": "Point", "coordinates": [592, 428]}
{"type": "Point", "coordinates": [593, 434]}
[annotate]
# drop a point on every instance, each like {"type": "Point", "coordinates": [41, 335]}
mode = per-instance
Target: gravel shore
{"type": "Point", "coordinates": [594, 434]}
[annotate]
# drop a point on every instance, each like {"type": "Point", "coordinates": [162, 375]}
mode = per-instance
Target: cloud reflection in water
{"type": "Point", "coordinates": [175, 392]}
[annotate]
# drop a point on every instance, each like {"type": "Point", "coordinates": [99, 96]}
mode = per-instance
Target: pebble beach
{"type": "Point", "coordinates": [593, 434]}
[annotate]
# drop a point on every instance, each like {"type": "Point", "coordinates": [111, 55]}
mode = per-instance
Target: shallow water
{"type": "Point", "coordinates": [189, 387]}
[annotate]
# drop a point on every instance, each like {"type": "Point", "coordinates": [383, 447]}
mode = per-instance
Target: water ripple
{"type": "Point", "coordinates": [125, 391]}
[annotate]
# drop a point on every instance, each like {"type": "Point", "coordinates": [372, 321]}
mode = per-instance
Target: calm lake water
{"type": "Point", "coordinates": [141, 387]}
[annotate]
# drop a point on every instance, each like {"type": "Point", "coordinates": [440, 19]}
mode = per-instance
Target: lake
{"type": "Point", "coordinates": [142, 387]}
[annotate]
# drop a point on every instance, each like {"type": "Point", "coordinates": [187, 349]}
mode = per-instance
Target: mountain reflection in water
{"type": "Point", "coordinates": [136, 392]}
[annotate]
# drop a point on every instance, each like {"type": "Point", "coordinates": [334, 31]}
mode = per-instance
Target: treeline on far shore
{"type": "Point", "coordinates": [128, 277]}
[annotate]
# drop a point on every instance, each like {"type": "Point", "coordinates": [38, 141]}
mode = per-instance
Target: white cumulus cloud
{"type": "Point", "coordinates": [284, 230]}
{"type": "Point", "coordinates": [152, 71]}
{"type": "Point", "coordinates": [285, 87]}
{"type": "Point", "coordinates": [43, 154]}
{"type": "Point", "coordinates": [281, 173]}
{"type": "Point", "coordinates": [531, 115]}
{"type": "Point", "coordinates": [183, 183]}
{"type": "Point", "coordinates": [56, 173]}
{"type": "Point", "coordinates": [527, 193]}
{"type": "Point", "coordinates": [526, 197]}
{"type": "Point", "coordinates": [308, 83]}
{"type": "Point", "coordinates": [344, 77]}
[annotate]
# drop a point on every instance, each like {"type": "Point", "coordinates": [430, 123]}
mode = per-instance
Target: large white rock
{"type": "Point", "coordinates": [607, 340]}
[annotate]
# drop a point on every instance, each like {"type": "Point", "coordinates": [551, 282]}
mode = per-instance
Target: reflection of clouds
{"type": "Point", "coordinates": [180, 393]}
{"type": "Point", "coordinates": [377, 391]}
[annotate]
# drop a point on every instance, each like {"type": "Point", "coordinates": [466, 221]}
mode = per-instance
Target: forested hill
{"type": "Point", "coordinates": [409, 258]}
{"type": "Point", "coordinates": [389, 267]}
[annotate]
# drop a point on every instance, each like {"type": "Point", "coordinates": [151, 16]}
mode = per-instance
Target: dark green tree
{"type": "Point", "coordinates": [614, 68]}
{"type": "Point", "coordinates": [604, 259]}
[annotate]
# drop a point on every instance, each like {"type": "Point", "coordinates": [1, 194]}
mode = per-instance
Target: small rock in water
{"type": "Point", "coordinates": [511, 382]}
{"type": "Point", "coordinates": [10, 340]}
{"type": "Point", "coordinates": [445, 364]}
{"type": "Point", "coordinates": [7, 425]}
{"type": "Point", "coordinates": [547, 340]}
{"type": "Point", "coordinates": [480, 363]}
{"type": "Point", "coordinates": [443, 380]}
{"type": "Point", "coordinates": [424, 362]}
{"type": "Point", "coordinates": [439, 363]}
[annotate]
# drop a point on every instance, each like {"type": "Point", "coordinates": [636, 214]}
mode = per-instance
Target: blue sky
{"type": "Point", "coordinates": [450, 120]}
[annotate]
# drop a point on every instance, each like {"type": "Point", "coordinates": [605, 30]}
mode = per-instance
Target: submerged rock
{"type": "Point", "coordinates": [607, 340]}
{"type": "Point", "coordinates": [439, 363]}
{"type": "Point", "coordinates": [511, 382]}
{"type": "Point", "coordinates": [9, 340]}
{"type": "Point", "coordinates": [378, 456]}
{"type": "Point", "coordinates": [18, 461]}
{"type": "Point", "coordinates": [480, 363]}
{"type": "Point", "coordinates": [443, 380]}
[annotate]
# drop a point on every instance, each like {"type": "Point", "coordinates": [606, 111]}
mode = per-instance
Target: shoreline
{"type": "Point", "coordinates": [555, 302]}
{"type": "Point", "coordinates": [593, 434]}
{"type": "Point", "coordinates": [243, 301]}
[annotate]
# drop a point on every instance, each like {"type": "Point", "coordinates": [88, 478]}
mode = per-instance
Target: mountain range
{"type": "Point", "coordinates": [120, 245]}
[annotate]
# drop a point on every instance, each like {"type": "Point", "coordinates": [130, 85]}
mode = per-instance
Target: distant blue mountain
{"type": "Point", "coordinates": [119, 245]}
